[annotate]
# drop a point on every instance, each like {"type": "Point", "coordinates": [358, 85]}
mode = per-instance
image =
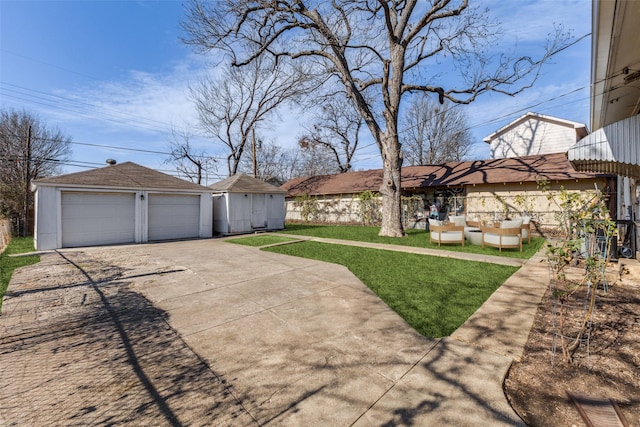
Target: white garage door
{"type": "Point", "coordinates": [97, 218]}
{"type": "Point", "coordinates": [173, 216]}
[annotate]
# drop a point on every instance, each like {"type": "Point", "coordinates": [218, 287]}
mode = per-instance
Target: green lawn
{"type": "Point", "coordinates": [435, 295]}
{"type": "Point", "coordinates": [8, 264]}
{"type": "Point", "coordinates": [414, 238]}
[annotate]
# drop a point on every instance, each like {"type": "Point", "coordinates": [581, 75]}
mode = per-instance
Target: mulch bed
{"type": "Point", "coordinates": [608, 368]}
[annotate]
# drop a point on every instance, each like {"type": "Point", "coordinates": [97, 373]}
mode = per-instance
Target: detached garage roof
{"type": "Point", "coordinates": [126, 175]}
{"type": "Point", "coordinates": [553, 167]}
{"type": "Point", "coordinates": [242, 183]}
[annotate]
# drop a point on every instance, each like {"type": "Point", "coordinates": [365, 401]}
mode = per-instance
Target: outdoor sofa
{"type": "Point", "coordinates": [505, 234]}
{"type": "Point", "coordinates": [445, 233]}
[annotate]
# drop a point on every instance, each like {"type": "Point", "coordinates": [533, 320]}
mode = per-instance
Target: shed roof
{"type": "Point", "coordinates": [242, 183]}
{"type": "Point", "coordinates": [554, 167]}
{"type": "Point", "coordinates": [124, 175]}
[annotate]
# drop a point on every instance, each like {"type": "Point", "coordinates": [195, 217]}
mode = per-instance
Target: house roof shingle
{"type": "Point", "coordinates": [554, 167]}
{"type": "Point", "coordinates": [126, 175]}
{"type": "Point", "coordinates": [242, 183]}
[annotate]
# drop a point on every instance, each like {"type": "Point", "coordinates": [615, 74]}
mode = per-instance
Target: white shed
{"type": "Point", "coordinates": [243, 204]}
{"type": "Point", "coordinates": [124, 203]}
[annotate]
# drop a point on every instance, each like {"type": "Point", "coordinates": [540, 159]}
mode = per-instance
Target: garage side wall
{"type": "Point", "coordinates": [206, 216]}
{"type": "Point", "coordinates": [47, 210]}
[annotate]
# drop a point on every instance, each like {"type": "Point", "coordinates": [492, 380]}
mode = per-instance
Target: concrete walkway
{"type": "Point", "coordinates": [273, 340]}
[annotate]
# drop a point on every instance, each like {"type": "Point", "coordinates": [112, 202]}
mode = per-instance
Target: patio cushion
{"type": "Point", "coordinates": [494, 239]}
{"type": "Point", "coordinates": [459, 220]}
{"type": "Point", "coordinates": [526, 220]}
{"type": "Point", "coordinates": [435, 222]}
{"type": "Point", "coordinates": [514, 223]}
{"type": "Point", "coordinates": [507, 235]}
{"type": "Point", "coordinates": [447, 236]}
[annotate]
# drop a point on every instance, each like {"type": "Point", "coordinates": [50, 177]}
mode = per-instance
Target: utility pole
{"type": "Point", "coordinates": [253, 150]}
{"type": "Point", "coordinates": [27, 181]}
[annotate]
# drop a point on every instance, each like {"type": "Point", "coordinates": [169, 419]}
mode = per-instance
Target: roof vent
{"type": "Point", "coordinates": [111, 162]}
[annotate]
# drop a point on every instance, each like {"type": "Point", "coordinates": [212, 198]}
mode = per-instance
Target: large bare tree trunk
{"type": "Point", "coordinates": [391, 189]}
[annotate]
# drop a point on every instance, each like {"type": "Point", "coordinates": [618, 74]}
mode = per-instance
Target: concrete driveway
{"type": "Point", "coordinates": [270, 339]}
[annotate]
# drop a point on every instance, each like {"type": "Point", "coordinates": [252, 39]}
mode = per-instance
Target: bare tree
{"type": "Point", "coordinates": [337, 130]}
{"type": "Point", "coordinates": [282, 164]}
{"type": "Point", "coordinates": [272, 162]}
{"type": "Point", "coordinates": [315, 159]}
{"type": "Point", "coordinates": [187, 160]}
{"type": "Point", "coordinates": [383, 47]}
{"type": "Point", "coordinates": [29, 150]}
{"type": "Point", "coordinates": [234, 104]}
{"type": "Point", "coordinates": [434, 133]}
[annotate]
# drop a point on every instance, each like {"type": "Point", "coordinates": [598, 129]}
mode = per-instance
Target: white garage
{"type": "Point", "coordinates": [124, 203]}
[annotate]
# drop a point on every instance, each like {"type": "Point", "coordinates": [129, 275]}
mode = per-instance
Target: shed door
{"type": "Point", "coordinates": [258, 211]}
{"type": "Point", "coordinates": [174, 216]}
{"type": "Point", "coordinates": [97, 218]}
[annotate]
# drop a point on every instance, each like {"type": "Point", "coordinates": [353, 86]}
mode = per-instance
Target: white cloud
{"type": "Point", "coordinates": [144, 102]}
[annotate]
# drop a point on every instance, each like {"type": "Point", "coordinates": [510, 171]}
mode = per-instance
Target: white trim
{"type": "Point", "coordinates": [80, 187]}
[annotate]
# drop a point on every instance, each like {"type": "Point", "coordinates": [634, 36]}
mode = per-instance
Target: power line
{"type": "Point", "coordinates": [78, 106]}
{"type": "Point", "coordinates": [496, 119]}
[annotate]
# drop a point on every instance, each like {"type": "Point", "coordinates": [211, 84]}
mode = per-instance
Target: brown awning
{"type": "Point", "coordinates": [613, 149]}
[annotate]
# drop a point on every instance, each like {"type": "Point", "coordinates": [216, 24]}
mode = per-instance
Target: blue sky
{"type": "Point", "coordinates": [115, 73]}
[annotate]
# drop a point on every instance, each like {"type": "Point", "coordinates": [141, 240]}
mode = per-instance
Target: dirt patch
{"type": "Point", "coordinates": [609, 367]}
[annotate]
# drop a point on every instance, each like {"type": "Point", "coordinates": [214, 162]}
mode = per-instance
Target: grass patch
{"type": "Point", "coordinates": [434, 295]}
{"type": "Point", "coordinates": [261, 240]}
{"type": "Point", "coordinates": [8, 264]}
{"type": "Point", "coordinates": [414, 238]}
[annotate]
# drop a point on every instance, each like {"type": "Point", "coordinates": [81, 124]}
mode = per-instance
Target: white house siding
{"type": "Point", "coordinates": [532, 137]}
{"type": "Point", "coordinates": [97, 218]}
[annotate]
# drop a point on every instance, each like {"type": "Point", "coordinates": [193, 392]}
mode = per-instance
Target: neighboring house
{"type": "Point", "coordinates": [124, 203]}
{"type": "Point", "coordinates": [483, 189]}
{"type": "Point", "coordinates": [534, 134]}
{"type": "Point", "coordinates": [243, 204]}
